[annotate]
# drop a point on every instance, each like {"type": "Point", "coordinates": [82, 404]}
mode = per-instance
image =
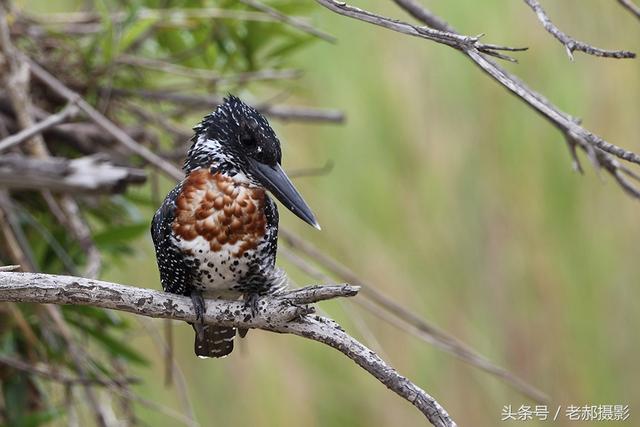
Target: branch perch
{"type": "Point", "coordinates": [284, 312]}
{"type": "Point", "coordinates": [569, 43]}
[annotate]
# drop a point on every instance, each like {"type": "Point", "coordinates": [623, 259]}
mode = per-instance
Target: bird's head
{"type": "Point", "coordinates": [237, 141]}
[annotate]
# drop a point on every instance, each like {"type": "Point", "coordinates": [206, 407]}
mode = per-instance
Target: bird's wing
{"type": "Point", "coordinates": [176, 274]}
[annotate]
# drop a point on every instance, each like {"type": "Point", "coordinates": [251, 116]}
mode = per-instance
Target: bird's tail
{"type": "Point", "coordinates": [214, 341]}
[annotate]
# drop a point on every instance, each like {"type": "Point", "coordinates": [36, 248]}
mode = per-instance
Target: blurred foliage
{"type": "Point", "coordinates": [85, 51]}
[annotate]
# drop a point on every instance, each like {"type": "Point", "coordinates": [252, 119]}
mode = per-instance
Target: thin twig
{"type": "Point", "coordinates": [416, 10]}
{"type": "Point", "coordinates": [181, 134]}
{"type": "Point", "coordinates": [164, 16]}
{"type": "Point", "coordinates": [569, 43]}
{"type": "Point", "coordinates": [16, 79]}
{"type": "Point", "coordinates": [157, 407]}
{"type": "Point", "coordinates": [57, 376]}
{"type": "Point", "coordinates": [407, 321]}
{"type": "Point", "coordinates": [208, 75]}
{"type": "Point", "coordinates": [289, 20]}
{"type": "Point", "coordinates": [51, 240]}
{"type": "Point", "coordinates": [631, 7]}
{"type": "Point", "coordinates": [306, 172]}
{"type": "Point", "coordinates": [182, 389]}
{"type": "Point", "coordinates": [278, 313]}
{"type": "Point", "coordinates": [15, 240]}
{"type": "Point", "coordinates": [66, 113]}
{"type": "Point", "coordinates": [208, 102]}
{"type": "Point", "coordinates": [77, 357]}
{"type": "Point", "coordinates": [103, 122]}
{"type": "Point", "coordinates": [567, 124]}
{"type": "Point", "coordinates": [418, 325]}
{"type": "Point", "coordinates": [454, 40]}
{"type": "Point", "coordinates": [316, 274]}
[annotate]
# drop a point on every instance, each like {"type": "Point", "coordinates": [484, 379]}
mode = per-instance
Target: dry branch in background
{"type": "Point", "coordinates": [208, 75]}
{"type": "Point", "coordinates": [56, 375]}
{"type": "Point", "coordinates": [289, 20]}
{"type": "Point", "coordinates": [600, 152]}
{"type": "Point", "coordinates": [205, 102]}
{"type": "Point", "coordinates": [457, 41]}
{"type": "Point", "coordinates": [82, 175]}
{"type": "Point", "coordinates": [631, 7]}
{"type": "Point", "coordinates": [286, 312]}
{"type": "Point", "coordinates": [387, 309]}
{"type": "Point", "coordinates": [569, 43]}
{"type": "Point", "coordinates": [25, 134]}
{"type": "Point", "coordinates": [16, 76]}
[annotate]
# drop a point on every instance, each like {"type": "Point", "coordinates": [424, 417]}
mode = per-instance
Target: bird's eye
{"type": "Point", "coordinates": [247, 141]}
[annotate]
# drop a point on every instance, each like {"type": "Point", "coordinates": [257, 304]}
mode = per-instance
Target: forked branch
{"type": "Point", "coordinates": [286, 312]}
{"type": "Point", "coordinates": [569, 43]}
{"type": "Point", "coordinates": [455, 40]}
{"type": "Point", "coordinates": [602, 153]}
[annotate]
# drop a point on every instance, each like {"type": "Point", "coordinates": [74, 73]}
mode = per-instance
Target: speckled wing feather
{"type": "Point", "coordinates": [175, 273]}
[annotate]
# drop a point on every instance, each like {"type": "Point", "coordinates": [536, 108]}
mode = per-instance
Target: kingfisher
{"type": "Point", "coordinates": [216, 233]}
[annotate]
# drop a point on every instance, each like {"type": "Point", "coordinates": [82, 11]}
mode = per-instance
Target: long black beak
{"type": "Point", "coordinates": [279, 184]}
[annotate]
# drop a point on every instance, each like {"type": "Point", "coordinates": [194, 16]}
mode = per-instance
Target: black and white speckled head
{"type": "Point", "coordinates": [236, 140]}
{"type": "Point", "coordinates": [230, 137]}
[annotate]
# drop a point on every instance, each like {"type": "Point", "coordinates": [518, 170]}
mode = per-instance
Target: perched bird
{"type": "Point", "coordinates": [216, 234]}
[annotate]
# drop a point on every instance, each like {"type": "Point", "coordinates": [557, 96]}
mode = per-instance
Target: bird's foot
{"type": "Point", "coordinates": [251, 302]}
{"type": "Point", "coordinates": [199, 308]}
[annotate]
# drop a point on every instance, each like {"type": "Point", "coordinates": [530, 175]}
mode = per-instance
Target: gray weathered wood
{"type": "Point", "coordinates": [285, 312]}
{"type": "Point", "coordinates": [89, 174]}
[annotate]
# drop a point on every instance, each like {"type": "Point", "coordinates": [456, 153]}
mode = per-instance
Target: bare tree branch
{"type": "Point", "coordinates": [164, 346]}
{"type": "Point", "coordinates": [415, 9]}
{"type": "Point", "coordinates": [79, 360]}
{"type": "Point", "coordinates": [631, 7]}
{"type": "Point", "coordinates": [573, 132]}
{"type": "Point", "coordinates": [16, 243]}
{"type": "Point", "coordinates": [56, 375]}
{"type": "Point", "coordinates": [289, 20]}
{"type": "Point", "coordinates": [316, 171]}
{"type": "Point", "coordinates": [454, 40]}
{"type": "Point", "coordinates": [165, 16]}
{"type": "Point", "coordinates": [86, 174]}
{"type": "Point", "coordinates": [399, 315]}
{"type": "Point", "coordinates": [103, 122]}
{"type": "Point", "coordinates": [285, 312]}
{"type": "Point", "coordinates": [207, 102]}
{"type": "Point", "coordinates": [16, 79]}
{"type": "Point", "coordinates": [207, 75]}
{"type": "Point", "coordinates": [66, 113]}
{"type": "Point", "coordinates": [569, 43]}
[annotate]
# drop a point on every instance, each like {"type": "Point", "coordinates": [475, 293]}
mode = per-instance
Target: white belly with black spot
{"type": "Point", "coordinates": [217, 272]}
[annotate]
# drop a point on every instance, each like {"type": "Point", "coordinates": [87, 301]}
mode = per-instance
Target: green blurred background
{"type": "Point", "coordinates": [454, 198]}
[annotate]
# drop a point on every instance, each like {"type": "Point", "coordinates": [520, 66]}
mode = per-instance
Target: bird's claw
{"type": "Point", "coordinates": [251, 302]}
{"type": "Point", "coordinates": [199, 308]}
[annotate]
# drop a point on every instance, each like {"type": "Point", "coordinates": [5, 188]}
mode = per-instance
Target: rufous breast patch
{"type": "Point", "coordinates": [220, 210]}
